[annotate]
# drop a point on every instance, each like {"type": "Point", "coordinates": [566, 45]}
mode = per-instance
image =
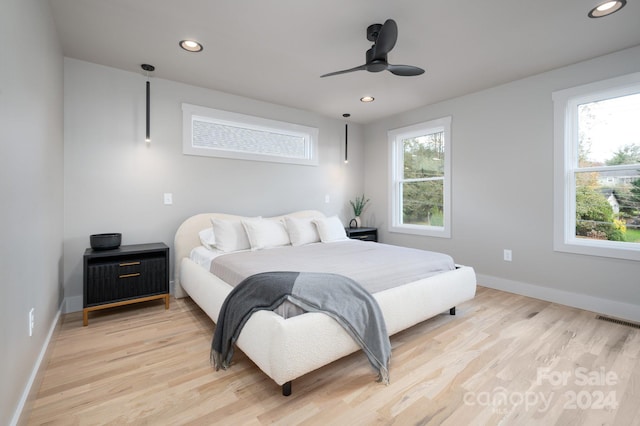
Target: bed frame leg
{"type": "Point", "coordinates": [452, 311]}
{"type": "Point", "coordinates": [286, 389]}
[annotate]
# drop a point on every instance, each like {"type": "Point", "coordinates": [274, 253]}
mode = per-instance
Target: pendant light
{"type": "Point", "coordinates": [148, 68]}
{"type": "Point", "coordinates": [346, 139]}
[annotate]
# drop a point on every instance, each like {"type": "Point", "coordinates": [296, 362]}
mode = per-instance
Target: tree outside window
{"type": "Point", "coordinates": [422, 189]}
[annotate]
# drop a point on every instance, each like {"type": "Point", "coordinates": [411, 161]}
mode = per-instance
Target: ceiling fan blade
{"type": "Point", "coordinates": [359, 68]}
{"type": "Point", "coordinates": [386, 39]}
{"type": "Point", "coordinates": [404, 70]}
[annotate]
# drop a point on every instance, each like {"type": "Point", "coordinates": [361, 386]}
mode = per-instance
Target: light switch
{"type": "Point", "coordinates": [168, 198]}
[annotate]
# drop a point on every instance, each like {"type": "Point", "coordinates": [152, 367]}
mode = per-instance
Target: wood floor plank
{"type": "Point", "coordinates": [503, 359]}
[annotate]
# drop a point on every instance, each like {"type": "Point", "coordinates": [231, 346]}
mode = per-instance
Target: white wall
{"type": "Point", "coordinates": [114, 181]}
{"type": "Point", "coordinates": [503, 191]}
{"type": "Point", "coordinates": [31, 162]}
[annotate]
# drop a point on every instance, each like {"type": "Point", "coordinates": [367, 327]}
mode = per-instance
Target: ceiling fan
{"type": "Point", "coordinates": [384, 38]}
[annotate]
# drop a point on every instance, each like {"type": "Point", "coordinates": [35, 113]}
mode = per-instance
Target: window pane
{"type": "Point", "coordinates": [608, 205]}
{"type": "Point", "coordinates": [609, 132]}
{"type": "Point", "coordinates": [207, 134]}
{"type": "Point", "coordinates": [424, 156]}
{"type": "Point", "coordinates": [422, 203]}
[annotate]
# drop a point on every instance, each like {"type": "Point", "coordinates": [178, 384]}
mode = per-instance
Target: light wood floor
{"type": "Point", "coordinates": [503, 359]}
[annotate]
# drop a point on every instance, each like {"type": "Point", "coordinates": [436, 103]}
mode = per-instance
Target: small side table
{"type": "Point", "coordinates": [364, 234]}
{"type": "Point", "coordinates": [128, 274]}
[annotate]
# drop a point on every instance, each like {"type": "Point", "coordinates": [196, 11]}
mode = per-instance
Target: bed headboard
{"type": "Point", "coordinates": [187, 237]}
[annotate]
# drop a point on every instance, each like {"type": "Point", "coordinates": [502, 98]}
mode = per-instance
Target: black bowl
{"type": "Point", "coordinates": [105, 241]}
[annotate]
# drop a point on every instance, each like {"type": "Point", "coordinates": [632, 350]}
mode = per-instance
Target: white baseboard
{"type": "Point", "coordinates": [608, 307]}
{"type": "Point", "coordinates": [36, 369]}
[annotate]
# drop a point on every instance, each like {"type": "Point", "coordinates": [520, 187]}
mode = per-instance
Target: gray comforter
{"type": "Point", "coordinates": [374, 266]}
{"type": "Point", "coordinates": [335, 295]}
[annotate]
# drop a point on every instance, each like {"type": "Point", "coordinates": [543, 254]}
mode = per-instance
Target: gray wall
{"type": "Point", "coordinates": [502, 191]}
{"type": "Point", "coordinates": [31, 186]}
{"type": "Point", "coordinates": [114, 181]}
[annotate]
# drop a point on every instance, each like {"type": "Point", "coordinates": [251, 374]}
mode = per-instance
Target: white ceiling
{"type": "Point", "coordinates": [276, 50]}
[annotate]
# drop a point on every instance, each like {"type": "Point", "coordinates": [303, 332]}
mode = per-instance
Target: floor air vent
{"type": "Point", "coordinates": [617, 321]}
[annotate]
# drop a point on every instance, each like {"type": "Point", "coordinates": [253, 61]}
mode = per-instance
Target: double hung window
{"type": "Point", "coordinates": [597, 168]}
{"type": "Point", "coordinates": [420, 178]}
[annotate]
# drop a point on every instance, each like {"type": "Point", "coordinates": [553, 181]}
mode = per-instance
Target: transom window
{"type": "Point", "coordinates": [420, 175]}
{"type": "Point", "coordinates": [597, 170]}
{"type": "Point", "coordinates": [215, 133]}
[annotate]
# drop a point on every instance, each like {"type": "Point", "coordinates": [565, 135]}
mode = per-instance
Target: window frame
{"type": "Point", "coordinates": [396, 177]}
{"type": "Point", "coordinates": [566, 150]}
{"type": "Point", "coordinates": [191, 113]}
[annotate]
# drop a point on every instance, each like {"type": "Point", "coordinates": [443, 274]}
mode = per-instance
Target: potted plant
{"type": "Point", "coordinates": [358, 206]}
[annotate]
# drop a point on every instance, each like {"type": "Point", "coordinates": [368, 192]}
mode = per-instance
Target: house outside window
{"type": "Point", "coordinates": [420, 168]}
{"type": "Point", "coordinates": [597, 168]}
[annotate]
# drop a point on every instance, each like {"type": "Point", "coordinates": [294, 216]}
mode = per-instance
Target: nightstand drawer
{"type": "Point", "coordinates": [115, 281]}
{"type": "Point", "coordinates": [363, 237]}
{"type": "Point", "coordinates": [363, 234]}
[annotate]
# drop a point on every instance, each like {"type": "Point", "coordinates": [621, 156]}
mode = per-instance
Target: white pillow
{"type": "Point", "coordinates": [208, 238]}
{"type": "Point", "coordinates": [330, 229]}
{"type": "Point", "coordinates": [266, 233]}
{"type": "Point", "coordinates": [301, 230]}
{"type": "Point", "coordinates": [230, 234]}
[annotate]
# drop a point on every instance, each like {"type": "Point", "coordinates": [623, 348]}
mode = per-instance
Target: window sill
{"type": "Point", "coordinates": [611, 249]}
{"type": "Point", "coordinates": [427, 231]}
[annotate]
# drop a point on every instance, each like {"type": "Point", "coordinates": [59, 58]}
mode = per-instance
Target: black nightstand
{"type": "Point", "coordinates": [128, 274]}
{"type": "Point", "coordinates": [364, 234]}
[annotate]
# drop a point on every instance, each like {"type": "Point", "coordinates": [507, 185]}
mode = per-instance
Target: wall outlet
{"type": "Point", "coordinates": [31, 321]}
{"type": "Point", "coordinates": [507, 255]}
{"type": "Point", "coordinates": [327, 199]}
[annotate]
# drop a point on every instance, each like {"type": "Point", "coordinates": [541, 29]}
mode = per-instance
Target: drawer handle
{"type": "Point", "coordinates": [137, 274]}
{"type": "Point", "coordinates": [129, 263]}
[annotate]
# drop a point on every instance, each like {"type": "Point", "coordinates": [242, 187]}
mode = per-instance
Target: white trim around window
{"type": "Point", "coordinates": [566, 166]}
{"type": "Point", "coordinates": [397, 179]}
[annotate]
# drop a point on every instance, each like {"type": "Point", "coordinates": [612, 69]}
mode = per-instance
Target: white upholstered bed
{"type": "Point", "coordinates": [286, 349]}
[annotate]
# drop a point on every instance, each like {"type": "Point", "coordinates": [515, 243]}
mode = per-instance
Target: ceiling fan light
{"type": "Point", "coordinates": [191, 45]}
{"type": "Point", "coordinates": [367, 99]}
{"type": "Point", "coordinates": [607, 8]}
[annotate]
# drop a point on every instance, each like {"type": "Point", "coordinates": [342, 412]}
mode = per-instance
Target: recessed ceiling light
{"type": "Point", "coordinates": [367, 99]}
{"type": "Point", "coordinates": [607, 8]}
{"type": "Point", "coordinates": [191, 45]}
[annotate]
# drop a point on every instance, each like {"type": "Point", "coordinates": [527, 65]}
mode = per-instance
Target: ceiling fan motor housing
{"type": "Point", "coordinates": [375, 65]}
{"type": "Point", "coordinates": [373, 31]}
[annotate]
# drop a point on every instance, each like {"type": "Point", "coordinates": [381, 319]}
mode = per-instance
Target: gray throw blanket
{"type": "Point", "coordinates": [335, 295]}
